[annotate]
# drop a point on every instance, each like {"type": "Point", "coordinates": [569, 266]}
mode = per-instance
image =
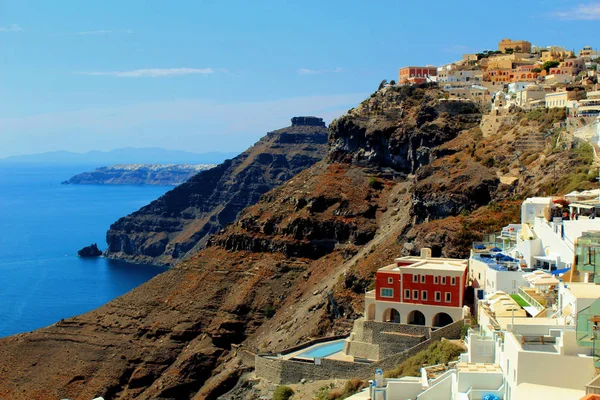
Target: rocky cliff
{"type": "Point", "coordinates": [139, 174]}
{"type": "Point", "coordinates": [180, 222]}
{"type": "Point", "coordinates": [296, 263]}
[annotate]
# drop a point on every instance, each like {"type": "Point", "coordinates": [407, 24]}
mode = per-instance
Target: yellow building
{"type": "Point", "coordinates": [555, 53]}
{"type": "Point", "coordinates": [560, 99]}
{"type": "Point", "coordinates": [509, 61]}
{"type": "Point", "coordinates": [475, 93]}
{"type": "Point", "coordinates": [518, 46]}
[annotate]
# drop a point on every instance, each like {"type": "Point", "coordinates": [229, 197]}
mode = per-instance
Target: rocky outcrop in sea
{"type": "Point", "coordinates": [90, 251]}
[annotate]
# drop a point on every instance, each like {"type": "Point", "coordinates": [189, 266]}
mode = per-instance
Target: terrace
{"type": "Point", "coordinates": [497, 261]}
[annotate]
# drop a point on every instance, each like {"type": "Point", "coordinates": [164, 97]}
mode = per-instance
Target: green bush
{"type": "Point", "coordinates": [269, 311]}
{"type": "Point", "coordinates": [437, 353]}
{"type": "Point", "coordinates": [353, 386]}
{"type": "Point", "coordinates": [283, 393]}
{"type": "Point", "coordinates": [489, 162]}
{"type": "Point", "coordinates": [372, 182]}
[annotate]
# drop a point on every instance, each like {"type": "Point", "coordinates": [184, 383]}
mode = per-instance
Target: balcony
{"type": "Point", "coordinates": [534, 299]}
{"type": "Point", "coordinates": [593, 387]}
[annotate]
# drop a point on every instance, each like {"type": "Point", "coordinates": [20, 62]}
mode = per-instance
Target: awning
{"type": "Point", "coordinates": [577, 205]}
{"type": "Point", "coordinates": [545, 258]}
{"type": "Point", "coordinates": [560, 271]}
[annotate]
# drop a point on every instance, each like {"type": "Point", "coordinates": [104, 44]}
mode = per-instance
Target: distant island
{"type": "Point", "coordinates": [129, 155]}
{"type": "Point", "coordinates": [139, 174]}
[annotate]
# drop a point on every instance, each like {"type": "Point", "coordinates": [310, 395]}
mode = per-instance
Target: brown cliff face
{"type": "Point", "coordinates": [179, 223]}
{"type": "Point", "coordinates": [306, 251]}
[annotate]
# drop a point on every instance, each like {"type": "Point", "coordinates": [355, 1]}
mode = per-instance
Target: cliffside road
{"type": "Point", "coordinates": [139, 174]}
{"type": "Point", "coordinates": [403, 171]}
{"type": "Point", "coordinates": [179, 223]}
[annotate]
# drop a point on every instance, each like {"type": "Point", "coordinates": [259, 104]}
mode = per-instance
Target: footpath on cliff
{"type": "Point", "coordinates": [404, 169]}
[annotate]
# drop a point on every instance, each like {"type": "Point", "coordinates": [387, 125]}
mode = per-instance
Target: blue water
{"type": "Point", "coordinates": [42, 225]}
{"type": "Point", "coordinates": [324, 350]}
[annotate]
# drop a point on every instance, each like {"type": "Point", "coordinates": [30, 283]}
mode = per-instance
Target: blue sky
{"type": "Point", "coordinates": [215, 75]}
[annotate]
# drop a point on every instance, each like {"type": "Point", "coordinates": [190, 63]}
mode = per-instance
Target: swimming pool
{"type": "Point", "coordinates": [323, 349]}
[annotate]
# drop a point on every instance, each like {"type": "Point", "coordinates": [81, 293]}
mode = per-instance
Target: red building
{"type": "Point", "coordinates": [419, 290]}
{"type": "Point", "coordinates": [416, 74]}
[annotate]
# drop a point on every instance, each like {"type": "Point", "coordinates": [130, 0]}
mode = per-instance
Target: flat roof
{"type": "Point", "coordinates": [538, 200]}
{"type": "Point", "coordinates": [533, 391]}
{"type": "Point", "coordinates": [427, 264]}
{"type": "Point", "coordinates": [543, 323]}
{"type": "Point", "coordinates": [478, 367]}
{"type": "Point", "coordinates": [584, 290]}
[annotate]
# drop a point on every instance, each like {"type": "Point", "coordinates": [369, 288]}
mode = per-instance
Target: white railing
{"type": "Point", "coordinates": [531, 300]}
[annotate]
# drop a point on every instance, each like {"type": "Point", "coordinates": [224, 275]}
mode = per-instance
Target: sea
{"type": "Point", "coordinates": [42, 226]}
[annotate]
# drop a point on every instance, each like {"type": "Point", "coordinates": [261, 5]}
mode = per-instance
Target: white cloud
{"type": "Point", "coordinates": [307, 71]}
{"type": "Point", "coordinates": [152, 72]}
{"type": "Point", "coordinates": [11, 28]}
{"type": "Point", "coordinates": [583, 12]}
{"type": "Point", "coordinates": [104, 32]}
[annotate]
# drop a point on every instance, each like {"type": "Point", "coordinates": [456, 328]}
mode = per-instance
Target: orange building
{"type": "Point", "coordinates": [415, 74]}
{"type": "Point", "coordinates": [522, 74]}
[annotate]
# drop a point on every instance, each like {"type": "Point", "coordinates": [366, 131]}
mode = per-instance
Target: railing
{"type": "Point", "coordinates": [569, 243]}
{"type": "Point", "coordinates": [593, 387]}
{"type": "Point", "coordinates": [531, 300]}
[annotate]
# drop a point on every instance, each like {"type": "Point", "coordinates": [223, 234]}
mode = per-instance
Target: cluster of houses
{"type": "Point", "coordinates": [534, 289]}
{"type": "Point", "coordinates": [519, 75]}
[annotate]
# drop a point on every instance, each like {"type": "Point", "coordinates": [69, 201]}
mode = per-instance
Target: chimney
{"type": "Point", "coordinates": [425, 253]}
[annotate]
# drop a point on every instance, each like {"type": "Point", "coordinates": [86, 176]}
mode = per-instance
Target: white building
{"type": "Point", "coordinates": [524, 359]}
{"type": "Point", "coordinates": [515, 87]}
{"type": "Point", "coordinates": [559, 78]}
{"type": "Point", "coordinates": [549, 231]}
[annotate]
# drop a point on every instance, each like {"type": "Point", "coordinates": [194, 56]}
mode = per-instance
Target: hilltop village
{"type": "Point", "coordinates": [518, 74]}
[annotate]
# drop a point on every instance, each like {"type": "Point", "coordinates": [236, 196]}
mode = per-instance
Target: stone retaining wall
{"type": "Point", "coordinates": [280, 371]}
{"type": "Point", "coordinates": [364, 350]}
{"type": "Point", "coordinates": [451, 331]}
{"type": "Point", "coordinates": [377, 340]}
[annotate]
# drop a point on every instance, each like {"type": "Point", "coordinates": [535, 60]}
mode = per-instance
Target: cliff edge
{"type": "Point", "coordinates": [179, 223]}
{"type": "Point", "coordinates": [405, 169]}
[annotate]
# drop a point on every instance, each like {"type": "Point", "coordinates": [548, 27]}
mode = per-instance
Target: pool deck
{"type": "Point", "coordinates": [340, 355]}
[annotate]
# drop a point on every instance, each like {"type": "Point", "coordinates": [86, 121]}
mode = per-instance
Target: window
{"type": "Point", "coordinates": [424, 295]}
{"type": "Point", "coordinates": [480, 276]}
{"type": "Point", "coordinates": [415, 295]}
{"type": "Point", "coordinates": [407, 294]}
{"type": "Point", "coordinates": [448, 297]}
{"type": "Point", "coordinates": [390, 280]}
{"type": "Point", "coordinates": [453, 280]}
{"type": "Point", "coordinates": [415, 278]}
{"type": "Point", "coordinates": [443, 280]}
{"type": "Point", "coordinates": [422, 278]}
{"type": "Point", "coordinates": [438, 296]}
{"type": "Point", "coordinates": [436, 279]}
{"type": "Point", "coordinates": [387, 292]}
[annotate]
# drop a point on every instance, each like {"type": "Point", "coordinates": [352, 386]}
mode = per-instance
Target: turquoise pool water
{"type": "Point", "coordinates": [324, 349]}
